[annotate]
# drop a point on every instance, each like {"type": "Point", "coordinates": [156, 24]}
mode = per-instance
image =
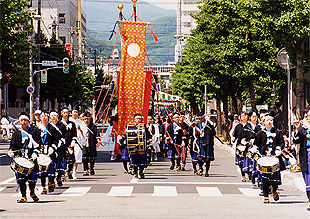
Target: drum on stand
{"type": "Point", "coordinates": [268, 165]}
{"type": "Point", "coordinates": [43, 161]}
{"type": "Point", "coordinates": [22, 165]}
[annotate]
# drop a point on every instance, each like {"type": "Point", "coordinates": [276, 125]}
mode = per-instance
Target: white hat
{"type": "Point", "coordinates": [38, 112]}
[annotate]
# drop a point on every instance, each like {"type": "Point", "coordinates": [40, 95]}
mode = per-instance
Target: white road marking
{"type": "Point", "coordinates": [250, 192]}
{"type": "Point", "coordinates": [120, 191]}
{"type": "Point", "coordinates": [8, 180]}
{"type": "Point", "coordinates": [4, 155]}
{"type": "Point", "coordinates": [209, 191]}
{"type": "Point", "coordinates": [165, 191]}
{"type": "Point", "coordinates": [37, 191]}
{"type": "Point", "coordinates": [2, 188]}
{"type": "Point", "coordinates": [134, 180]}
{"type": "Point", "coordinates": [76, 191]}
{"type": "Point", "coordinates": [191, 183]}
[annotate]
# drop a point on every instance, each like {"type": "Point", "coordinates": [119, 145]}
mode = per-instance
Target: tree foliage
{"type": "Point", "coordinates": [233, 50]}
{"type": "Point", "coordinates": [16, 30]}
{"type": "Point", "coordinates": [74, 88]}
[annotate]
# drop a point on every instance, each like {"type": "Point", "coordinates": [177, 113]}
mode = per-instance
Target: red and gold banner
{"type": "Point", "coordinates": [131, 80]}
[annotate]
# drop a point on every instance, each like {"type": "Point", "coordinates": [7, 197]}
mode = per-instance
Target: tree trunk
{"type": "Point", "coordinates": [239, 101]}
{"type": "Point", "coordinates": [226, 120]}
{"type": "Point", "coordinates": [233, 105]}
{"type": "Point", "coordinates": [300, 90]}
{"type": "Point", "coordinates": [194, 106]}
{"type": "Point", "coordinates": [219, 117]}
{"type": "Point", "coordinates": [282, 117]}
{"type": "Point", "coordinates": [252, 95]}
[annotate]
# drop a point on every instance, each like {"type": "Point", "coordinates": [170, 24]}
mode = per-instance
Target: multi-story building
{"type": "Point", "coordinates": [61, 18]}
{"type": "Point", "coordinates": [185, 23]}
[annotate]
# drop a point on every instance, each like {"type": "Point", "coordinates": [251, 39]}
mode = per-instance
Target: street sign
{"type": "Point", "coordinates": [30, 89]}
{"type": "Point", "coordinates": [49, 63]}
{"type": "Point", "coordinates": [43, 77]}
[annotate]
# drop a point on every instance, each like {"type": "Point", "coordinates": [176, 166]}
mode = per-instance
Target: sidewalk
{"type": "Point", "coordinates": [288, 177]}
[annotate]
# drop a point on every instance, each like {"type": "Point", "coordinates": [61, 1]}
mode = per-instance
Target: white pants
{"type": "Point", "coordinates": [156, 147]}
{"type": "Point", "coordinates": [78, 153]}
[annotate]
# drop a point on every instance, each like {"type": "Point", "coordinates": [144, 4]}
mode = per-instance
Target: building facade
{"type": "Point", "coordinates": [60, 17]}
{"type": "Point", "coordinates": [185, 23]}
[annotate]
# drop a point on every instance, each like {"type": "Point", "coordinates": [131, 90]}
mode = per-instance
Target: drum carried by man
{"type": "Point", "coordinates": [135, 139]}
{"type": "Point", "coordinates": [24, 149]}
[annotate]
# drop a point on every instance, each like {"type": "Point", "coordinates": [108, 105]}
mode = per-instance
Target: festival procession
{"type": "Point", "coordinates": [221, 132]}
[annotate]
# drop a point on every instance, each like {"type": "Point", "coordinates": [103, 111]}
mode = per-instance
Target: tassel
{"type": "Point", "coordinates": [152, 32]}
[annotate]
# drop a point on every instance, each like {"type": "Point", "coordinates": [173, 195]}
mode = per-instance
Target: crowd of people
{"type": "Point", "coordinates": [55, 146]}
{"type": "Point", "coordinates": [50, 148]}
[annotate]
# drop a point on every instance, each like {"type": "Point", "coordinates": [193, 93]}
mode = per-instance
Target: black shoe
{"type": "Point", "coordinates": [266, 200]}
{"type": "Point", "coordinates": [44, 191]}
{"type": "Point", "coordinates": [51, 187]}
{"type": "Point", "coordinates": [183, 168]}
{"type": "Point", "coordinates": [35, 198]}
{"type": "Point", "coordinates": [92, 172]}
{"type": "Point", "coordinates": [308, 206]}
{"type": "Point", "coordinates": [70, 176]}
{"type": "Point", "coordinates": [86, 173]}
{"type": "Point", "coordinates": [59, 182]}
{"type": "Point", "coordinates": [171, 167]}
{"type": "Point", "coordinates": [178, 169]}
{"type": "Point", "coordinates": [207, 174]}
{"type": "Point", "coordinates": [195, 171]}
{"type": "Point", "coordinates": [22, 200]}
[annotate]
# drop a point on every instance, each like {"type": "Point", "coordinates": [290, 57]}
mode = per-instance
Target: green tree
{"type": "Point", "coordinates": [16, 30]}
{"type": "Point", "coordinates": [76, 87]}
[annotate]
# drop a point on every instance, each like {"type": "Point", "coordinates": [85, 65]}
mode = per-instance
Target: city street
{"type": "Point", "coordinates": [162, 194]}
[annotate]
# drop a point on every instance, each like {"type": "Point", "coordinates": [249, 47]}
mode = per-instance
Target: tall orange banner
{"type": "Point", "coordinates": [131, 83]}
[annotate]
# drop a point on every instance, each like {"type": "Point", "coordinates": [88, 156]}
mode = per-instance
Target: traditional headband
{"type": "Point", "coordinates": [44, 113]}
{"type": "Point", "coordinates": [53, 113]}
{"type": "Point", "coordinates": [268, 117]}
{"type": "Point", "coordinates": [254, 114]}
{"type": "Point", "coordinates": [175, 115]}
{"type": "Point", "coordinates": [138, 117]}
{"type": "Point", "coordinates": [23, 117]}
{"type": "Point", "coordinates": [65, 110]}
{"type": "Point", "coordinates": [38, 112]}
{"type": "Point", "coordinates": [86, 117]}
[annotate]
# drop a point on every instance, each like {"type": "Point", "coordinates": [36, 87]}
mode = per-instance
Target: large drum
{"type": "Point", "coordinates": [268, 165]}
{"type": "Point", "coordinates": [240, 149]}
{"type": "Point", "coordinates": [135, 138]}
{"type": "Point", "coordinates": [22, 165]}
{"type": "Point", "coordinates": [43, 161]}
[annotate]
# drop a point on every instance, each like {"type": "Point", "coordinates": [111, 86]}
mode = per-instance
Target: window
{"type": "Point", "coordinates": [186, 24]}
{"type": "Point", "coordinates": [185, 13]}
{"type": "Point", "coordinates": [62, 18]}
{"type": "Point", "coordinates": [189, 1]}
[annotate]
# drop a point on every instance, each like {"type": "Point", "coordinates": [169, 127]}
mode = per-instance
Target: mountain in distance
{"type": "Point", "coordinates": [101, 15]}
{"type": "Point", "coordinates": [101, 22]}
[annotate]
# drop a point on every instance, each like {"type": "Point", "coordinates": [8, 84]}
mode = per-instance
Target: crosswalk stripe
{"type": "Point", "coordinates": [120, 191]}
{"type": "Point", "coordinates": [76, 191]}
{"type": "Point", "coordinates": [250, 192]}
{"type": "Point", "coordinates": [2, 188]}
{"type": "Point", "coordinates": [209, 191]}
{"type": "Point", "coordinates": [8, 180]}
{"type": "Point", "coordinates": [37, 191]}
{"type": "Point", "coordinates": [165, 191]}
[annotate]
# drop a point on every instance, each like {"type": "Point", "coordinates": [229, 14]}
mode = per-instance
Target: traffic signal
{"type": "Point", "coordinates": [65, 65]}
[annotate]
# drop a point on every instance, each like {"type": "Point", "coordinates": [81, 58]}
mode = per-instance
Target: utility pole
{"type": "Point", "coordinates": [38, 79]}
{"type": "Point", "coordinates": [95, 55]}
{"type": "Point", "coordinates": [80, 28]}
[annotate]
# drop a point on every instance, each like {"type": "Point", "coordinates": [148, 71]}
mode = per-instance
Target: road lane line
{"type": "Point", "coordinates": [165, 191]}
{"type": "Point", "coordinates": [4, 155]}
{"type": "Point", "coordinates": [209, 191]}
{"type": "Point", "coordinates": [250, 192]}
{"type": "Point", "coordinates": [76, 191]}
{"type": "Point", "coordinates": [120, 191]}
{"type": "Point", "coordinates": [8, 180]}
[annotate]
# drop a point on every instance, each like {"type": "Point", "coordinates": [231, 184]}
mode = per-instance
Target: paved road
{"type": "Point", "coordinates": [162, 194]}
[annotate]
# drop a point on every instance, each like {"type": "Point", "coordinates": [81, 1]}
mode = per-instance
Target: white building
{"type": "Point", "coordinates": [61, 16]}
{"type": "Point", "coordinates": [184, 24]}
